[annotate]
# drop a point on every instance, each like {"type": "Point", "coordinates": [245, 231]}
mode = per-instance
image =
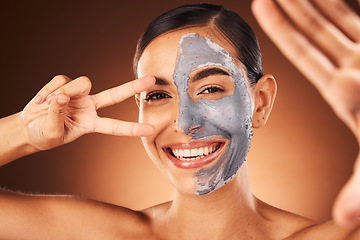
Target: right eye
{"type": "Point", "coordinates": [155, 96]}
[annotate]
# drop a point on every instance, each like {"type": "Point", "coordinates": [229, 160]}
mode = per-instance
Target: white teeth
{"type": "Point", "coordinates": [181, 153]}
{"type": "Point", "coordinates": [206, 151]}
{"type": "Point", "coordinates": [200, 151]}
{"type": "Point", "coordinates": [194, 153]}
{"type": "Point", "coordinates": [176, 152]}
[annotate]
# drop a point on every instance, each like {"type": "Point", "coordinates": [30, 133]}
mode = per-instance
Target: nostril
{"type": "Point", "coordinates": [194, 129]}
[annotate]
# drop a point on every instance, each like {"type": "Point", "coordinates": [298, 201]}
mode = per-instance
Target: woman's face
{"type": "Point", "coordinates": [200, 107]}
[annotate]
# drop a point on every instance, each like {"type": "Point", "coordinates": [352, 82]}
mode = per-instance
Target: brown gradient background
{"type": "Point", "coordinates": [298, 162]}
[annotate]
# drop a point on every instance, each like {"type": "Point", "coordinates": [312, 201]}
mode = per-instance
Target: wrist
{"type": "Point", "coordinates": [23, 143]}
{"type": "Point", "coordinates": [14, 140]}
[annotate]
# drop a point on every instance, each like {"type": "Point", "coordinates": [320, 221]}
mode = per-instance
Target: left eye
{"type": "Point", "coordinates": [156, 96]}
{"type": "Point", "coordinates": [211, 89]}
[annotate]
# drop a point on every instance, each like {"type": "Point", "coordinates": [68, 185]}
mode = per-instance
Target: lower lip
{"type": "Point", "coordinates": [195, 163]}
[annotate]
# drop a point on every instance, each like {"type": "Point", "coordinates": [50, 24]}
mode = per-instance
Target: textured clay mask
{"type": "Point", "coordinates": [228, 117]}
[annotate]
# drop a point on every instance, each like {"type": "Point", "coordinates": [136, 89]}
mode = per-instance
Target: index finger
{"type": "Point", "coordinates": [122, 92]}
{"type": "Point", "coordinates": [306, 56]}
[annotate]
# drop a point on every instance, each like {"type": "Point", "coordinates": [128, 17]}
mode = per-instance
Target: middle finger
{"type": "Point", "coordinates": [317, 28]}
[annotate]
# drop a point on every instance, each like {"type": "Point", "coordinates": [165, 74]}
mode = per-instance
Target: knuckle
{"type": "Point", "coordinates": [340, 8]}
{"type": "Point", "coordinates": [135, 130]}
{"type": "Point", "coordinates": [61, 79]}
{"type": "Point", "coordinates": [113, 94]}
{"type": "Point", "coordinates": [115, 128]}
{"type": "Point", "coordinates": [136, 86]}
{"type": "Point", "coordinates": [85, 82]}
{"type": "Point", "coordinates": [95, 101]}
{"type": "Point", "coordinates": [314, 24]}
{"type": "Point", "coordinates": [45, 90]}
{"type": "Point", "coordinates": [298, 50]}
{"type": "Point", "coordinates": [289, 1]}
{"type": "Point", "coordinates": [58, 80]}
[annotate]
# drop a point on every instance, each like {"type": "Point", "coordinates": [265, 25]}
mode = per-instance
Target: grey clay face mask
{"type": "Point", "coordinates": [228, 117]}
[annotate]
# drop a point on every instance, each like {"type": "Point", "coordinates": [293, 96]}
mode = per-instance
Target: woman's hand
{"type": "Point", "coordinates": [63, 110]}
{"type": "Point", "coordinates": [326, 49]}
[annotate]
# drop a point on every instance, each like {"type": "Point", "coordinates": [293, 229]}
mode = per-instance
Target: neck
{"type": "Point", "coordinates": [228, 211]}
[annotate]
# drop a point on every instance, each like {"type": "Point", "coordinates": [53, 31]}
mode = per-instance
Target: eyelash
{"type": "Point", "coordinates": [211, 90]}
{"type": "Point", "coordinates": [156, 96]}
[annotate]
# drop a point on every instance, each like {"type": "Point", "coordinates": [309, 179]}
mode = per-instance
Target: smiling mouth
{"type": "Point", "coordinates": [194, 157]}
{"type": "Point", "coordinates": [194, 153]}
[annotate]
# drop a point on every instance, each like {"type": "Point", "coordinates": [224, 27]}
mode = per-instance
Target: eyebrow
{"type": "Point", "coordinates": [198, 76]}
{"type": "Point", "coordinates": [161, 81]}
{"type": "Point", "coordinates": [209, 72]}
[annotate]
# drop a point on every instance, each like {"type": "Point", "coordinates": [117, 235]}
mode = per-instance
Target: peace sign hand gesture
{"type": "Point", "coordinates": [322, 39]}
{"type": "Point", "coordinates": [63, 110]}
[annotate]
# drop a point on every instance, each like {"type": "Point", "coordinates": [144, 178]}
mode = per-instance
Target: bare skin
{"type": "Point", "coordinates": [329, 56]}
{"type": "Point", "coordinates": [63, 111]}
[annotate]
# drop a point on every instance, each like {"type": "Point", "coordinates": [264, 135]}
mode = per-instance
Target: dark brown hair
{"type": "Point", "coordinates": [229, 24]}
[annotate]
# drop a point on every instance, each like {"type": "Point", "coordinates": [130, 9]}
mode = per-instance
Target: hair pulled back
{"type": "Point", "coordinates": [229, 24]}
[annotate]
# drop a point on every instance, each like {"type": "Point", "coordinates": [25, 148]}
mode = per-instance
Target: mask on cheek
{"type": "Point", "coordinates": [228, 117]}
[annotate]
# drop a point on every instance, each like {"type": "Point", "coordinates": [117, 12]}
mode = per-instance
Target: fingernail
{"type": "Point", "coordinates": [37, 99]}
{"type": "Point", "coordinates": [61, 101]}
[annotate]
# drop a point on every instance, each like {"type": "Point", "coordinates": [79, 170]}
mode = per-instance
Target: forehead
{"type": "Point", "coordinates": [160, 56]}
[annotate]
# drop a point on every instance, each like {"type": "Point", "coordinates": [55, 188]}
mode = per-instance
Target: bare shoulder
{"type": "Point", "coordinates": [100, 220]}
{"type": "Point", "coordinates": [328, 230]}
{"type": "Point", "coordinates": [281, 224]}
{"type": "Point", "coordinates": [68, 217]}
{"type": "Point", "coordinates": [290, 226]}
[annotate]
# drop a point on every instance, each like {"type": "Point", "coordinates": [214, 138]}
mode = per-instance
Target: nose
{"type": "Point", "coordinates": [190, 120]}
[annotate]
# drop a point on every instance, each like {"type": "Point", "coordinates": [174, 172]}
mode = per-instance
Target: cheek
{"type": "Point", "coordinates": [150, 142]}
{"type": "Point", "coordinates": [157, 116]}
{"type": "Point", "coordinates": [227, 114]}
{"type": "Point", "coordinates": [160, 117]}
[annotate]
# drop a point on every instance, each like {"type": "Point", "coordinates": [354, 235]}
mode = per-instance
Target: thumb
{"type": "Point", "coordinates": [346, 210]}
{"type": "Point", "coordinates": [54, 123]}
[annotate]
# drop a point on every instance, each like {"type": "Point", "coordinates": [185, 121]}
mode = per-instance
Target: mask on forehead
{"type": "Point", "coordinates": [228, 117]}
